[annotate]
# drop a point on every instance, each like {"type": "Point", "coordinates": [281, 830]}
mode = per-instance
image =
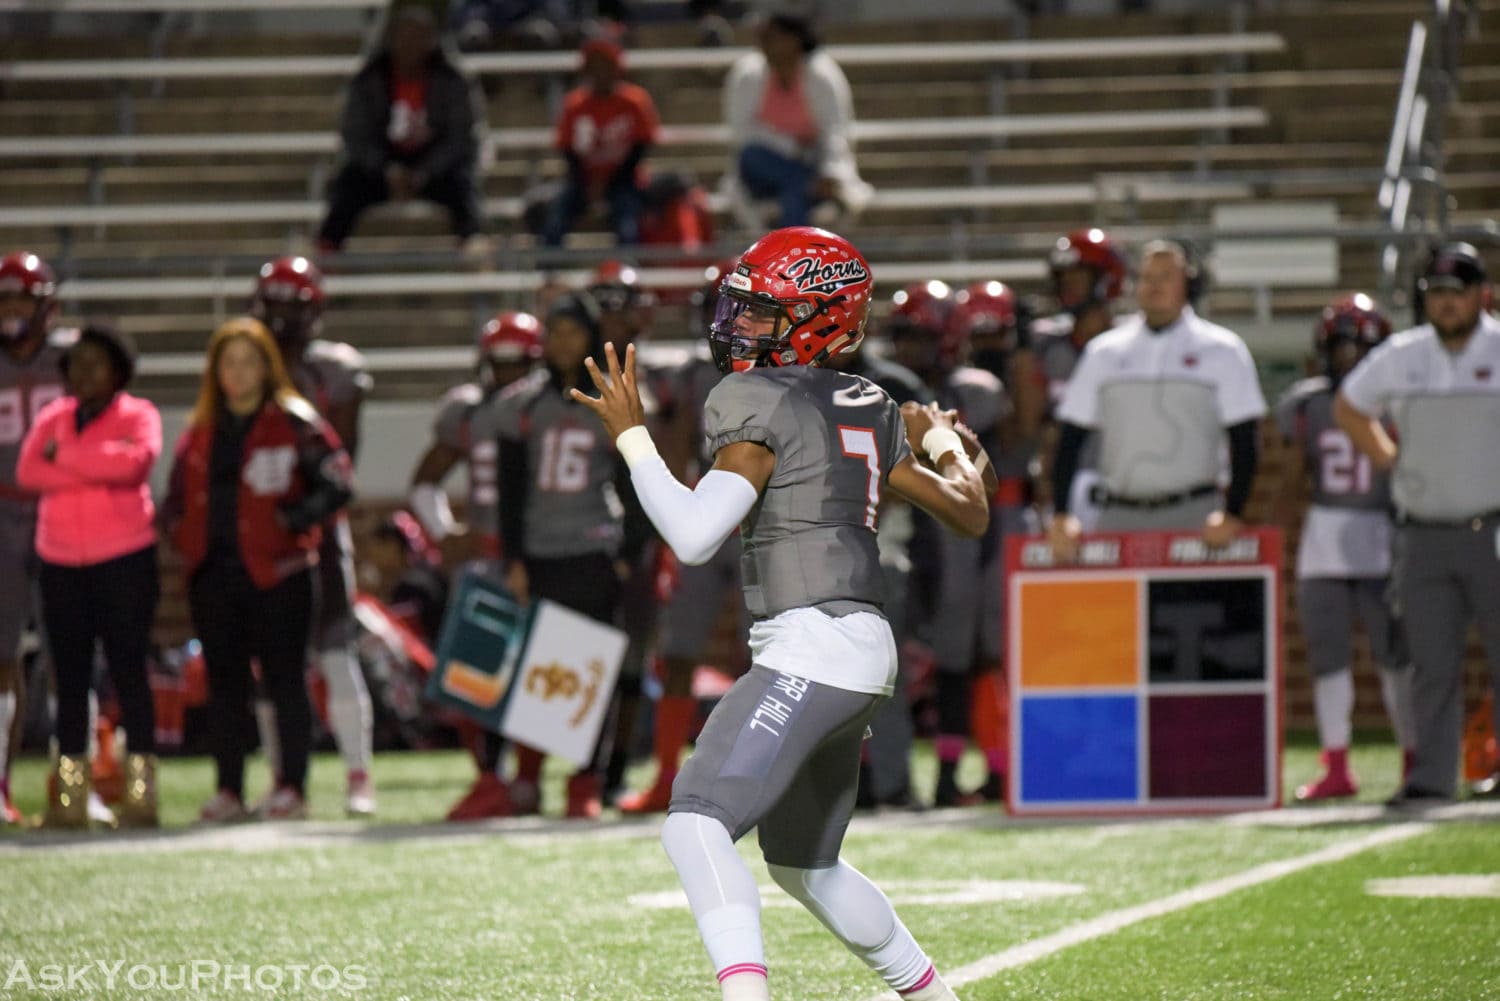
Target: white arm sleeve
{"type": "Point", "coordinates": [696, 522]}
{"type": "Point", "coordinates": [429, 503]}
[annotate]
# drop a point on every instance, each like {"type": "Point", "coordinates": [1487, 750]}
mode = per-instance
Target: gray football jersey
{"type": "Point", "coordinates": [465, 422]}
{"type": "Point", "coordinates": [809, 541]}
{"type": "Point", "coordinates": [1341, 475]}
{"type": "Point", "coordinates": [571, 505]}
{"type": "Point", "coordinates": [25, 388]}
{"type": "Point", "coordinates": [331, 374]}
{"type": "Point", "coordinates": [1057, 356]}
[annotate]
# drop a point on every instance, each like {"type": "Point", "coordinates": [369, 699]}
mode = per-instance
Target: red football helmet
{"type": "Point", "coordinates": [1352, 319]}
{"type": "Point", "coordinates": [288, 298]}
{"type": "Point", "coordinates": [984, 308]}
{"type": "Point", "coordinates": [624, 304]}
{"type": "Point", "coordinates": [1094, 250]}
{"type": "Point", "coordinates": [797, 297]}
{"type": "Point", "coordinates": [24, 275]}
{"type": "Point", "coordinates": [925, 310]}
{"type": "Point", "coordinates": [511, 337]}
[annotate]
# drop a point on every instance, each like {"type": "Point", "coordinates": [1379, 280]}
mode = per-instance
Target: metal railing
{"type": "Point", "coordinates": [1429, 84]}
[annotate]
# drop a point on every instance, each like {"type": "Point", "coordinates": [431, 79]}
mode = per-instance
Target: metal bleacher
{"type": "Point", "coordinates": [154, 179]}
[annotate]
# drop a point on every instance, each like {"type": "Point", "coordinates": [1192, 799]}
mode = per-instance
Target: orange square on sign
{"type": "Point", "coordinates": [1079, 633]}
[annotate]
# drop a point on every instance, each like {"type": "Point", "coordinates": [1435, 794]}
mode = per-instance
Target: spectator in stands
{"type": "Point", "coordinates": [257, 473]}
{"type": "Point", "coordinates": [490, 24]}
{"type": "Point", "coordinates": [606, 127]}
{"type": "Point", "coordinates": [789, 113]}
{"type": "Point", "coordinates": [88, 456]}
{"type": "Point", "coordinates": [410, 129]}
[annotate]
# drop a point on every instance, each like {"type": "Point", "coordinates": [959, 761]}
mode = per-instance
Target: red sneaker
{"type": "Point", "coordinates": [653, 800]}
{"type": "Point", "coordinates": [585, 796]}
{"type": "Point", "coordinates": [487, 798]}
{"type": "Point", "coordinates": [9, 815]}
{"type": "Point", "coordinates": [1333, 785]}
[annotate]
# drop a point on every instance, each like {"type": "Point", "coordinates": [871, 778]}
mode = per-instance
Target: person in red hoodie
{"type": "Point", "coordinates": [88, 456]}
{"type": "Point", "coordinates": [257, 472]}
{"type": "Point", "coordinates": [606, 127]}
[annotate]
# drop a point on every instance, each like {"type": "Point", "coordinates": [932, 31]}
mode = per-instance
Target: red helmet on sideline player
{"type": "Point", "coordinates": [797, 297]}
{"type": "Point", "coordinates": [624, 304]}
{"type": "Point", "coordinates": [511, 337]}
{"type": "Point", "coordinates": [985, 308]}
{"type": "Point", "coordinates": [23, 276]}
{"type": "Point", "coordinates": [509, 345]}
{"type": "Point", "coordinates": [1349, 327]}
{"type": "Point", "coordinates": [921, 328]}
{"type": "Point", "coordinates": [288, 299]}
{"type": "Point", "coordinates": [1090, 249]}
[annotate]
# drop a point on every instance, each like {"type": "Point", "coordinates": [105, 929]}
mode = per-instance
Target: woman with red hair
{"type": "Point", "coordinates": [257, 471]}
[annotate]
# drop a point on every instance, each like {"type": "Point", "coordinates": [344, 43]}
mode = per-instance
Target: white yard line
{"type": "Point", "coordinates": [1108, 924]}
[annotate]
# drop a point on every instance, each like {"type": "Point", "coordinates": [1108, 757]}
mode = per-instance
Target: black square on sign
{"type": "Point", "coordinates": [1207, 630]}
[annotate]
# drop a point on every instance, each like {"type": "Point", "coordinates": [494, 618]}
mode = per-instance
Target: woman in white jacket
{"type": "Point", "coordinates": [789, 114]}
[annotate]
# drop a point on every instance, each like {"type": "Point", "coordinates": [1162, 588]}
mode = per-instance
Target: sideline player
{"type": "Point", "coordinates": [465, 431]}
{"type": "Point", "coordinates": [802, 456]}
{"type": "Point", "coordinates": [965, 631]}
{"type": "Point", "coordinates": [1344, 558]}
{"type": "Point", "coordinates": [31, 376]}
{"type": "Point", "coordinates": [1088, 272]}
{"type": "Point", "coordinates": [289, 300]}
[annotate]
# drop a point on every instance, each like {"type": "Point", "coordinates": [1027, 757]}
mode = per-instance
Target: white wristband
{"type": "Point", "coordinates": [938, 441]}
{"type": "Point", "coordinates": [635, 444]}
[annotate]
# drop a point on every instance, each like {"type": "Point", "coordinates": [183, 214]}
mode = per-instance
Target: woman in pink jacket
{"type": "Point", "coordinates": [88, 455]}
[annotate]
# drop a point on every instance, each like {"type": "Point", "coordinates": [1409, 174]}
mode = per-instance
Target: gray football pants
{"type": "Point", "coordinates": [1446, 577]}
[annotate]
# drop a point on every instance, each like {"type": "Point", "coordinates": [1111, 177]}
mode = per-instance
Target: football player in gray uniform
{"type": "Point", "coordinates": [1088, 273]}
{"type": "Point", "coordinates": [570, 527]}
{"type": "Point", "coordinates": [31, 376]}
{"type": "Point", "coordinates": [1344, 558]}
{"type": "Point", "coordinates": [965, 629]}
{"type": "Point", "coordinates": [465, 431]}
{"type": "Point", "coordinates": [802, 455]}
{"type": "Point", "coordinates": [288, 299]}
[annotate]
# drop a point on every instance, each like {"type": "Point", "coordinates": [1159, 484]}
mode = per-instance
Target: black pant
{"type": "Point", "coordinates": [235, 621]}
{"type": "Point", "coordinates": [355, 190]}
{"type": "Point", "coordinates": [113, 602]}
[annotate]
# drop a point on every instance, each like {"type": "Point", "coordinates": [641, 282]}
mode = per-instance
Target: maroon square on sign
{"type": "Point", "coordinates": [1207, 746]}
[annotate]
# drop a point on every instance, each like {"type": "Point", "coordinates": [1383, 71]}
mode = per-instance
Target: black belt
{"type": "Point", "coordinates": [1101, 496]}
{"type": "Point", "coordinates": [1472, 524]}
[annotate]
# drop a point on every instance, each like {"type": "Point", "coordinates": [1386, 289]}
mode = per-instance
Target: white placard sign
{"type": "Point", "coordinates": [563, 689]}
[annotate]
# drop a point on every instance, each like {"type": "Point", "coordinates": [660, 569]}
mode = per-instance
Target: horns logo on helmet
{"type": "Point", "coordinates": [811, 274]}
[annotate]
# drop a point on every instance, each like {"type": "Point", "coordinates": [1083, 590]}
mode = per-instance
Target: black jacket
{"type": "Point", "coordinates": [453, 115]}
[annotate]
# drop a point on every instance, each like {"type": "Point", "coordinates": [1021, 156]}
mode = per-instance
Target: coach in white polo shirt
{"type": "Point", "coordinates": [1440, 383]}
{"type": "Point", "coordinates": [1160, 390]}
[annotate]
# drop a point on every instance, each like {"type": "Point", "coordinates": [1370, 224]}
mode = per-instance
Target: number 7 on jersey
{"type": "Point", "coordinates": [860, 443]}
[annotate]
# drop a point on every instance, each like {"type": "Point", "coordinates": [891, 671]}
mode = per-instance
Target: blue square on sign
{"type": "Point", "coordinates": [1079, 749]}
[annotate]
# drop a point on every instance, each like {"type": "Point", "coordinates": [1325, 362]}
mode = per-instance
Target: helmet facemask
{"type": "Point", "coordinates": [745, 330]}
